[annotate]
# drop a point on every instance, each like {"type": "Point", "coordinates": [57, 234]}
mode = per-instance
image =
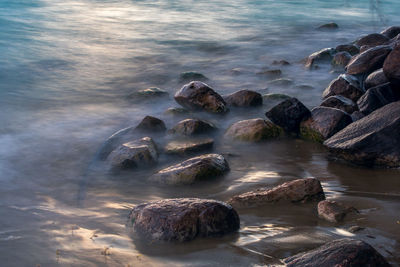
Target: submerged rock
{"type": "Point", "coordinates": [274, 96]}
{"type": "Point", "coordinates": [192, 76]}
{"type": "Point", "coordinates": [288, 114]}
{"type": "Point", "coordinates": [199, 96]}
{"type": "Point", "coordinates": [244, 98]}
{"type": "Point", "coordinates": [270, 73]}
{"type": "Point", "coordinates": [340, 60]}
{"type": "Point", "coordinates": [176, 111]}
{"type": "Point", "coordinates": [340, 102]}
{"type": "Point", "coordinates": [300, 190]}
{"type": "Point", "coordinates": [322, 56]}
{"type": "Point", "coordinates": [342, 252]}
{"type": "Point", "coordinates": [182, 219]}
{"type": "Point", "coordinates": [333, 211]}
{"type": "Point", "coordinates": [135, 154]}
{"type": "Point", "coordinates": [193, 127]}
{"type": "Point", "coordinates": [184, 147]}
{"type": "Point", "coordinates": [328, 26]}
{"type": "Point", "coordinates": [151, 124]}
{"type": "Point", "coordinates": [323, 123]}
{"type": "Point", "coordinates": [377, 97]}
{"type": "Point", "coordinates": [369, 60]}
{"type": "Point", "coordinates": [352, 49]}
{"type": "Point", "coordinates": [282, 82]}
{"type": "Point", "coordinates": [391, 67]}
{"type": "Point", "coordinates": [192, 170]}
{"type": "Point", "coordinates": [373, 39]}
{"type": "Point", "coordinates": [253, 130]}
{"type": "Point", "coordinates": [376, 78]}
{"type": "Point", "coordinates": [148, 93]}
{"type": "Point", "coordinates": [391, 32]}
{"type": "Point", "coordinates": [373, 140]}
{"type": "Point", "coordinates": [280, 62]}
{"type": "Point", "coordinates": [345, 85]}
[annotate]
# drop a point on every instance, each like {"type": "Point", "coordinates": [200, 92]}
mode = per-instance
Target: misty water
{"type": "Point", "coordinates": [68, 73]}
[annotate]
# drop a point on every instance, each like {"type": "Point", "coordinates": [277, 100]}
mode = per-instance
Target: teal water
{"type": "Point", "coordinates": [67, 69]}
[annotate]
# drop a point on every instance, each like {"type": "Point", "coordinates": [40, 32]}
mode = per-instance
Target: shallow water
{"type": "Point", "coordinates": [67, 71]}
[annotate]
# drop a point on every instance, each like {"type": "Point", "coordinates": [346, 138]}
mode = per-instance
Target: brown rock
{"type": "Point", "coordinates": [253, 130]}
{"type": "Point", "coordinates": [340, 60]}
{"type": "Point", "coordinates": [357, 115]}
{"type": "Point", "coordinates": [391, 67]}
{"type": "Point", "coordinates": [340, 102]}
{"type": "Point", "coordinates": [345, 85]}
{"type": "Point", "coordinates": [391, 32]}
{"type": "Point", "coordinates": [322, 56]}
{"type": "Point", "coordinates": [333, 211]}
{"type": "Point", "coordinates": [193, 127]}
{"type": "Point", "coordinates": [377, 97]}
{"type": "Point", "coordinates": [151, 124]}
{"type": "Point", "coordinates": [184, 147]}
{"type": "Point", "coordinates": [368, 61]}
{"type": "Point", "coordinates": [374, 79]}
{"type": "Point", "coordinates": [373, 39]}
{"type": "Point", "coordinates": [352, 49]}
{"type": "Point", "coordinates": [244, 98]}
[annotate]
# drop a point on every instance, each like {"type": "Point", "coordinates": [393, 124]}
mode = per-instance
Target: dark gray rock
{"type": "Point", "coordinates": [350, 48]}
{"type": "Point", "coordinates": [254, 130]}
{"type": "Point", "coordinates": [151, 124]}
{"type": "Point", "coordinates": [323, 123]}
{"type": "Point", "coordinates": [341, 253]}
{"type": "Point", "coordinates": [345, 85]}
{"type": "Point", "coordinates": [340, 60]}
{"type": "Point", "coordinates": [192, 76]}
{"type": "Point", "coordinates": [377, 97]}
{"type": "Point", "coordinates": [182, 219]}
{"type": "Point", "coordinates": [323, 56]}
{"type": "Point", "coordinates": [199, 96]}
{"type": "Point", "coordinates": [281, 82]}
{"type": "Point", "coordinates": [185, 147]}
{"type": "Point", "coordinates": [244, 98]}
{"type": "Point", "coordinates": [373, 140]}
{"type": "Point", "coordinates": [374, 79]}
{"type": "Point", "coordinates": [391, 32]}
{"type": "Point", "coordinates": [328, 26]}
{"type": "Point", "coordinates": [373, 39]}
{"type": "Point", "coordinates": [193, 127]}
{"type": "Point", "coordinates": [300, 190]}
{"type": "Point", "coordinates": [333, 211]}
{"type": "Point", "coordinates": [192, 170]}
{"type": "Point", "coordinates": [368, 61]}
{"type": "Point", "coordinates": [275, 97]}
{"type": "Point", "coordinates": [270, 73]}
{"type": "Point", "coordinates": [357, 115]}
{"type": "Point", "coordinates": [288, 114]}
{"type": "Point", "coordinates": [391, 67]}
{"type": "Point", "coordinates": [280, 62]}
{"type": "Point", "coordinates": [340, 102]}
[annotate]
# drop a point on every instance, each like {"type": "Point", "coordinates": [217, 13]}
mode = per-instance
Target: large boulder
{"type": "Point", "coordinates": [199, 96]}
{"type": "Point", "coordinates": [391, 67]}
{"type": "Point", "coordinates": [185, 147]}
{"type": "Point", "coordinates": [244, 98]}
{"type": "Point", "coordinates": [192, 170]}
{"type": "Point", "coordinates": [182, 219]}
{"type": "Point", "coordinates": [345, 85]}
{"type": "Point", "coordinates": [288, 114]}
{"type": "Point", "coordinates": [135, 154]}
{"type": "Point", "coordinates": [323, 56]}
{"type": "Point", "coordinates": [377, 97]}
{"type": "Point", "coordinates": [340, 60]}
{"type": "Point", "coordinates": [323, 123]}
{"type": "Point", "coordinates": [391, 32]}
{"type": "Point", "coordinates": [333, 211]}
{"type": "Point", "coordinates": [369, 60]}
{"type": "Point", "coordinates": [300, 190]}
{"type": "Point", "coordinates": [352, 49]}
{"type": "Point", "coordinates": [373, 39]}
{"type": "Point", "coordinates": [342, 252]}
{"type": "Point", "coordinates": [151, 124]}
{"type": "Point", "coordinates": [253, 130]}
{"type": "Point", "coordinates": [373, 140]}
{"type": "Point", "coordinates": [340, 102]}
{"type": "Point", "coordinates": [193, 127]}
{"type": "Point", "coordinates": [376, 78]}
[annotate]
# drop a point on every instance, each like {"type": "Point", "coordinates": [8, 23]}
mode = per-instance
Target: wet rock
{"type": "Point", "coordinates": [182, 219]}
{"type": "Point", "coordinates": [391, 67]}
{"type": "Point", "coordinates": [192, 76]}
{"type": "Point", "coordinates": [340, 102]}
{"type": "Point", "coordinates": [340, 60]}
{"type": "Point", "coordinates": [280, 62]}
{"type": "Point", "coordinates": [377, 97]}
{"type": "Point", "coordinates": [365, 48]}
{"type": "Point", "coordinates": [270, 73]}
{"type": "Point", "coordinates": [199, 96]}
{"type": "Point", "coordinates": [176, 111]}
{"type": "Point", "coordinates": [300, 190]}
{"type": "Point", "coordinates": [373, 140]}
{"type": "Point", "coordinates": [193, 127]}
{"type": "Point", "coordinates": [391, 32]}
{"type": "Point", "coordinates": [273, 97]}
{"type": "Point", "coordinates": [357, 115]}
{"type": "Point", "coordinates": [253, 130]}
{"type": "Point", "coordinates": [374, 79]}
{"type": "Point", "coordinates": [244, 98]}
{"type": "Point", "coordinates": [355, 228]}
{"type": "Point", "coordinates": [148, 93]}
{"type": "Point", "coordinates": [342, 252]}
{"type": "Point", "coordinates": [282, 82]}
{"type": "Point", "coordinates": [333, 211]}
{"type": "Point", "coordinates": [322, 56]}
{"type": "Point", "coordinates": [345, 85]}
{"type": "Point", "coordinates": [192, 170]}
{"type": "Point", "coordinates": [328, 26]}
{"type": "Point", "coordinates": [135, 154]}
{"type": "Point", "coordinates": [373, 39]}
{"type": "Point", "coordinates": [185, 147]}
{"type": "Point", "coordinates": [323, 123]}
{"type": "Point", "coordinates": [151, 124]}
{"type": "Point", "coordinates": [288, 114]}
{"type": "Point", "coordinates": [352, 49]}
{"type": "Point", "coordinates": [305, 87]}
{"type": "Point", "coordinates": [368, 61]}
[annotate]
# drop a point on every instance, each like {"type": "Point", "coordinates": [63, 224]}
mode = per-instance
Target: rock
{"type": "Point", "coordinates": [244, 98]}
{"type": "Point", "coordinates": [192, 76]}
{"type": "Point", "coordinates": [340, 60]}
{"type": "Point", "coordinates": [373, 140]}
{"type": "Point", "coordinates": [236, 71]}
{"type": "Point", "coordinates": [345, 85]}
{"type": "Point", "coordinates": [374, 79]}
{"type": "Point", "coordinates": [352, 49]}
{"type": "Point", "coordinates": [305, 87]}
{"type": "Point", "coordinates": [391, 32]}
{"type": "Point", "coordinates": [185, 147]}
{"type": "Point", "coordinates": [182, 219]}
{"type": "Point", "coordinates": [176, 111]}
{"type": "Point", "coordinates": [377, 97]}
{"type": "Point", "coordinates": [342, 252]}
{"type": "Point", "coordinates": [193, 127]}
{"type": "Point", "coordinates": [340, 102]}
{"type": "Point", "coordinates": [270, 73]}
{"type": "Point", "coordinates": [365, 48]}
{"type": "Point", "coordinates": [355, 228]}
{"type": "Point", "coordinates": [280, 62]}
{"type": "Point", "coordinates": [373, 39]}
{"type": "Point", "coordinates": [369, 60]}
{"type": "Point", "coordinates": [323, 123]}
{"type": "Point", "coordinates": [328, 26]}
{"type": "Point", "coordinates": [322, 56]}
{"type": "Point", "coordinates": [333, 211]}
{"type": "Point", "coordinates": [199, 96]}
{"type": "Point", "coordinates": [253, 130]}
{"type": "Point", "coordinates": [288, 114]}
{"type": "Point", "coordinates": [151, 124]}
{"type": "Point", "coordinates": [300, 190]}
{"type": "Point", "coordinates": [273, 96]}
{"type": "Point", "coordinates": [357, 115]}
{"type": "Point", "coordinates": [148, 93]}
{"type": "Point", "coordinates": [282, 82]}
{"type": "Point", "coordinates": [138, 153]}
{"type": "Point", "coordinates": [192, 170]}
{"type": "Point", "coordinates": [391, 67]}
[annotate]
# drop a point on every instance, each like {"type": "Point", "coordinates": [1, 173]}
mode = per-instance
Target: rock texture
{"type": "Point", "coordinates": [182, 219]}
{"type": "Point", "coordinates": [151, 124]}
{"type": "Point", "coordinates": [345, 85]}
{"type": "Point", "coordinates": [253, 130]}
{"type": "Point", "coordinates": [300, 190]}
{"type": "Point", "coordinates": [333, 211]}
{"type": "Point", "coordinates": [185, 147]}
{"type": "Point", "coordinates": [194, 169]}
{"type": "Point", "coordinates": [377, 97]}
{"type": "Point", "coordinates": [369, 60]}
{"type": "Point", "coordinates": [244, 98]}
{"type": "Point", "coordinates": [340, 60]}
{"type": "Point", "coordinates": [373, 39]}
{"type": "Point", "coordinates": [391, 32]}
{"type": "Point", "coordinates": [352, 49]}
{"type": "Point", "coordinates": [391, 67]}
{"type": "Point", "coordinates": [340, 102]}
{"type": "Point", "coordinates": [322, 56]}
{"type": "Point", "coordinates": [193, 127]}
{"type": "Point", "coordinates": [376, 78]}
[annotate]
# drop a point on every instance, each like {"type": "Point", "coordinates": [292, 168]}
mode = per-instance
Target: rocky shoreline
{"type": "Point", "coordinates": [358, 121]}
